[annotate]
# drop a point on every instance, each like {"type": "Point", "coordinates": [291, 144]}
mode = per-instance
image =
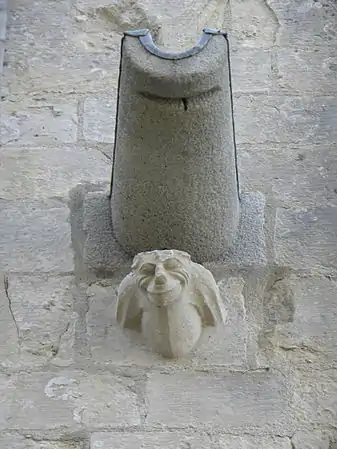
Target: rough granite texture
{"type": "Point", "coordinates": [69, 377]}
{"type": "Point", "coordinates": [3, 25]}
{"type": "Point", "coordinates": [174, 181]}
{"type": "Point", "coordinates": [101, 252]}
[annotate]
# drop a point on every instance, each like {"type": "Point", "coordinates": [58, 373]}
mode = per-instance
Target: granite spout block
{"type": "Point", "coordinates": [175, 180]}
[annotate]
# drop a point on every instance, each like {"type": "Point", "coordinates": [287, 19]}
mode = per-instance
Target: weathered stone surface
{"type": "Point", "coordinates": [99, 118]}
{"type": "Point", "coordinates": [5, 385]}
{"type": "Point", "coordinates": [41, 123]}
{"type": "Point", "coordinates": [248, 442]}
{"type": "Point", "coordinates": [42, 172]}
{"type": "Point", "coordinates": [285, 119]}
{"type": "Point", "coordinates": [311, 439]}
{"type": "Point", "coordinates": [225, 345]}
{"type": "Point", "coordinates": [9, 338]}
{"type": "Point", "coordinates": [308, 69]}
{"type": "Point", "coordinates": [35, 236]}
{"type": "Point", "coordinates": [251, 69]}
{"type": "Point", "coordinates": [69, 400]}
{"type": "Point", "coordinates": [3, 22]}
{"type": "Point", "coordinates": [2, 57]}
{"type": "Point", "coordinates": [50, 52]}
{"type": "Point", "coordinates": [18, 442]}
{"type": "Point", "coordinates": [305, 23]}
{"type": "Point", "coordinates": [9, 130]}
{"type": "Point", "coordinates": [315, 396]}
{"type": "Point", "coordinates": [176, 25]}
{"type": "Point", "coordinates": [42, 309]}
{"type": "Point", "coordinates": [248, 401]}
{"type": "Point", "coordinates": [102, 253]}
{"type": "Point", "coordinates": [294, 175]}
{"type": "Point", "coordinates": [56, 53]}
{"type": "Point", "coordinates": [169, 440]}
{"type": "Point", "coordinates": [304, 238]}
{"type": "Point", "coordinates": [254, 23]}
{"type": "Point", "coordinates": [108, 343]}
{"type": "Point", "coordinates": [314, 323]}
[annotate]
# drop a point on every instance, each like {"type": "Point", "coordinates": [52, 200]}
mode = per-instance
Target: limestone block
{"type": "Point", "coordinates": [308, 69]}
{"type": "Point", "coordinates": [174, 181]}
{"type": "Point", "coordinates": [254, 24]}
{"type": "Point", "coordinates": [50, 172]}
{"type": "Point", "coordinates": [19, 442]}
{"type": "Point", "coordinates": [305, 23]}
{"type": "Point", "coordinates": [102, 253]}
{"type": "Point", "coordinates": [169, 440]}
{"type": "Point", "coordinates": [44, 318]}
{"type": "Point", "coordinates": [169, 300]}
{"type": "Point", "coordinates": [250, 442]}
{"type": "Point", "coordinates": [108, 345]}
{"type": "Point", "coordinates": [99, 118]}
{"type": "Point", "coordinates": [2, 57]}
{"type": "Point", "coordinates": [43, 123]}
{"type": "Point", "coordinates": [68, 400]}
{"type": "Point", "coordinates": [227, 345]}
{"type": "Point", "coordinates": [251, 70]}
{"type": "Point", "coordinates": [9, 130]}
{"type": "Point", "coordinates": [293, 174]}
{"type": "Point", "coordinates": [304, 239]}
{"type": "Point", "coordinates": [9, 338]}
{"type": "Point", "coordinates": [5, 405]}
{"type": "Point", "coordinates": [35, 236]}
{"type": "Point", "coordinates": [285, 119]}
{"type": "Point", "coordinates": [223, 345]}
{"type": "Point", "coordinates": [234, 402]}
{"type": "Point", "coordinates": [314, 324]}
{"type": "Point", "coordinates": [176, 25]}
{"type": "Point", "coordinates": [313, 439]}
{"type": "Point", "coordinates": [3, 22]}
{"type": "Point", "coordinates": [314, 397]}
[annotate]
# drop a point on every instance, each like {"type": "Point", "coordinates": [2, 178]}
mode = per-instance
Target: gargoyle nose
{"type": "Point", "coordinates": [160, 277]}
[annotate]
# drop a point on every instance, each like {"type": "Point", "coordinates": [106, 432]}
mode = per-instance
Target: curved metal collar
{"type": "Point", "coordinates": [146, 40]}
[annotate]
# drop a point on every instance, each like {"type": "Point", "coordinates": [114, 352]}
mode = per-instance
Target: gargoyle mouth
{"type": "Point", "coordinates": [161, 290]}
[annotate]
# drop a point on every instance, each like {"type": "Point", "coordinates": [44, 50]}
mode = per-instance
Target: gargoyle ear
{"type": "Point", "coordinates": [136, 261]}
{"type": "Point", "coordinates": [208, 300]}
{"type": "Point", "coordinates": [129, 310]}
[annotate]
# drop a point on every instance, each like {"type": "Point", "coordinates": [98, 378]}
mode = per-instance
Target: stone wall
{"type": "Point", "coordinates": [70, 378]}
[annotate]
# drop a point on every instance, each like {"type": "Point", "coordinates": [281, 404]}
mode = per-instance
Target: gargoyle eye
{"type": "Point", "coordinates": [171, 264]}
{"type": "Point", "coordinates": [147, 268]}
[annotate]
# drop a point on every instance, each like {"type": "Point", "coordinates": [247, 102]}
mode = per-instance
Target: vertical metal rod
{"type": "Point", "coordinates": [232, 108]}
{"type": "Point", "coordinates": [116, 120]}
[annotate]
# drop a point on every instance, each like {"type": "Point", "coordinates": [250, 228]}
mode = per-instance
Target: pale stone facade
{"type": "Point", "coordinates": [70, 378]}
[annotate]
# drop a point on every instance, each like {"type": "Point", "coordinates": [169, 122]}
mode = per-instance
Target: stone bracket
{"type": "Point", "coordinates": [102, 254]}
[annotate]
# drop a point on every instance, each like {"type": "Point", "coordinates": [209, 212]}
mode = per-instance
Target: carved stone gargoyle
{"type": "Point", "coordinates": [169, 299]}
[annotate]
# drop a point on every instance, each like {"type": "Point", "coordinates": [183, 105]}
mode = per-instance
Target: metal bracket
{"type": "Point", "coordinates": [147, 42]}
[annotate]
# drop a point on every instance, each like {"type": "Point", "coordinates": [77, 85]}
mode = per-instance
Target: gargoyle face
{"type": "Point", "coordinates": [162, 275]}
